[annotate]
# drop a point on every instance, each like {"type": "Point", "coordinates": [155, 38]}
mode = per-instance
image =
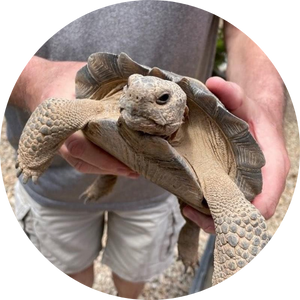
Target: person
{"type": "Point", "coordinates": [143, 220]}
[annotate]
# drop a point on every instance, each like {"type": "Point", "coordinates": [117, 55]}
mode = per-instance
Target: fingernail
{"type": "Point", "coordinates": [133, 175]}
{"type": "Point", "coordinates": [124, 170]}
{"type": "Point", "coordinates": [127, 172]}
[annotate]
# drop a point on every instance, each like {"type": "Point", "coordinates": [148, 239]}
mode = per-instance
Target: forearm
{"type": "Point", "coordinates": [42, 79]}
{"type": "Point", "coordinates": [23, 95]}
{"type": "Point", "coordinates": [251, 69]}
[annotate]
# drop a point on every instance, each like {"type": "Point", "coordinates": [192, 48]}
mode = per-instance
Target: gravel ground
{"type": "Point", "coordinates": [173, 282]}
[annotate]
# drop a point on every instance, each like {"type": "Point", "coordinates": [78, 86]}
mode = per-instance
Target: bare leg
{"type": "Point", "coordinates": [85, 277]}
{"type": "Point", "coordinates": [127, 289]}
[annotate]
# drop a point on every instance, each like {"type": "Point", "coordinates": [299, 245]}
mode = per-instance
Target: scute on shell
{"type": "Point", "coordinates": [107, 73]}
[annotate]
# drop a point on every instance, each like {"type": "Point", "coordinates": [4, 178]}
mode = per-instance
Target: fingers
{"type": "Point", "coordinates": [232, 96]}
{"type": "Point", "coordinates": [205, 222]}
{"type": "Point", "coordinates": [269, 137]}
{"type": "Point", "coordinates": [228, 92]}
{"type": "Point", "coordinates": [274, 176]}
{"type": "Point", "coordinates": [86, 157]}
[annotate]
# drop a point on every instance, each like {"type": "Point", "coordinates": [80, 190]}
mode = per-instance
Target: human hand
{"type": "Point", "coordinates": [267, 131]}
{"type": "Point", "coordinates": [88, 158]}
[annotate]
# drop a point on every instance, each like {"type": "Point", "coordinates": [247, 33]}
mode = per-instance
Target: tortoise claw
{"type": "Point", "coordinates": [25, 178]}
{"type": "Point", "coordinates": [99, 188]}
{"type": "Point", "coordinates": [192, 268]}
{"type": "Point", "coordinates": [27, 173]}
{"type": "Point", "coordinates": [35, 179]}
{"type": "Point", "coordinates": [185, 269]}
{"type": "Point", "coordinates": [188, 265]}
{"type": "Point", "coordinates": [19, 172]}
{"type": "Point", "coordinates": [86, 198]}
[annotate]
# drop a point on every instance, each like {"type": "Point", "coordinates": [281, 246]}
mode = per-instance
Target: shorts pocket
{"type": "Point", "coordinates": [22, 211]}
{"type": "Point", "coordinates": [174, 224]}
{"type": "Point", "coordinates": [20, 221]}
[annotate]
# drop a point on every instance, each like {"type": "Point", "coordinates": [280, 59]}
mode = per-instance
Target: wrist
{"type": "Point", "coordinates": [25, 94]}
{"type": "Point", "coordinates": [42, 79]}
{"type": "Point", "coordinates": [59, 81]}
{"type": "Point", "coordinates": [268, 113]}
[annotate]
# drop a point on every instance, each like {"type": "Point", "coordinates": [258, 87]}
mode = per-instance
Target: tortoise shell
{"type": "Point", "coordinates": [235, 148]}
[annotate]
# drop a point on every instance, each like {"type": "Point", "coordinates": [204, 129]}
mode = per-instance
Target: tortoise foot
{"type": "Point", "coordinates": [100, 187]}
{"type": "Point", "coordinates": [189, 264]}
{"type": "Point", "coordinates": [27, 172]}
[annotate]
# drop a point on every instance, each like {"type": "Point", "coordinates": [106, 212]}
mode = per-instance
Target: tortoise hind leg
{"type": "Point", "coordinates": [241, 231]}
{"type": "Point", "coordinates": [102, 186]}
{"type": "Point", "coordinates": [53, 121]}
{"type": "Point", "coordinates": [188, 242]}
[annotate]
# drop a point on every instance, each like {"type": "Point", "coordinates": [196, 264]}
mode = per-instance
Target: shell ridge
{"type": "Point", "coordinates": [128, 66]}
{"type": "Point", "coordinates": [105, 71]}
{"type": "Point", "coordinates": [103, 67]}
{"type": "Point", "coordinates": [249, 157]}
{"type": "Point", "coordinates": [84, 83]}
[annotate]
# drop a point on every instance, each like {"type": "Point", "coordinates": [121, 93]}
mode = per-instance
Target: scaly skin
{"type": "Point", "coordinates": [49, 126]}
{"type": "Point", "coordinates": [241, 231]}
{"type": "Point", "coordinates": [55, 120]}
{"type": "Point", "coordinates": [146, 106]}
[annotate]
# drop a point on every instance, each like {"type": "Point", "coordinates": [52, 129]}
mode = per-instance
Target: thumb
{"type": "Point", "coordinates": [230, 94]}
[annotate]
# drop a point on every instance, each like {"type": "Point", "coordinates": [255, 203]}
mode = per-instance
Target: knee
{"type": "Point", "coordinates": [127, 289]}
{"type": "Point", "coordinates": [84, 278]}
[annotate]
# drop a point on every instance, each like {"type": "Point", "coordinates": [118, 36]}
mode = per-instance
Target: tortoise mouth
{"type": "Point", "coordinates": [147, 125]}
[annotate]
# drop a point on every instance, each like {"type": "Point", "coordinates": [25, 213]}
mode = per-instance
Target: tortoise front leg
{"type": "Point", "coordinates": [241, 231]}
{"type": "Point", "coordinates": [53, 121]}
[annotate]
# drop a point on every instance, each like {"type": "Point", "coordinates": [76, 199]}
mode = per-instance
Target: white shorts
{"type": "Point", "coordinates": [140, 244]}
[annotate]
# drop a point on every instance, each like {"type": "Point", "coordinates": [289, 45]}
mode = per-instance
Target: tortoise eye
{"type": "Point", "coordinates": [163, 99]}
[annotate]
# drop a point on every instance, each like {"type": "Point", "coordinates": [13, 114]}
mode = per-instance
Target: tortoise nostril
{"type": "Point", "coordinates": [163, 99]}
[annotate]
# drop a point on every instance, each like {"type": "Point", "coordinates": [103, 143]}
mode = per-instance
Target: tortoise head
{"type": "Point", "coordinates": [153, 105]}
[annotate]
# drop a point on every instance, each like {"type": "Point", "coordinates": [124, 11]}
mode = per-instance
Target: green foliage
{"type": "Point", "coordinates": [221, 55]}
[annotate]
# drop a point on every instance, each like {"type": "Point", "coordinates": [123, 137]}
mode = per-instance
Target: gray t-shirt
{"type": "Point", "coordinates": [172, 36]}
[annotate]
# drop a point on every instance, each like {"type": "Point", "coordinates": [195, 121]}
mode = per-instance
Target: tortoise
{"type": "Point", "coordinates": [172, 130]}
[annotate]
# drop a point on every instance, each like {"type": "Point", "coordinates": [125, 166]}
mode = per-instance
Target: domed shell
{"type": "Point", "coordinates": [107, 73]}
